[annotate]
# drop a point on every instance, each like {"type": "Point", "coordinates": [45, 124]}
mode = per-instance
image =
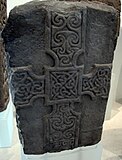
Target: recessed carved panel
{"type": "Point", "coordinates": [67, 39]}
{"type": "Point", "coordinates": [63, 84]}
{"type": "Point", "coordinates": [26, 86]}
{"type": "Point", "coordinates": [97, 83]}
{"type": "Point", "coordinates": [62, 128]}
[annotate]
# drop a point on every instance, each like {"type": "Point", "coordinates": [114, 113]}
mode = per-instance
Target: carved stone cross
{"type": "Point", "coordinates": [62, 100]}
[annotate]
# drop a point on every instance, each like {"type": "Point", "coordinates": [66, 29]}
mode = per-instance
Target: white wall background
{"type": "Point", "coordinates": [12, 3]}
{"type": "Point", "coordinates": [117, 69]}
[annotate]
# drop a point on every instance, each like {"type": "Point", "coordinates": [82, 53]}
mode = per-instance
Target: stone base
{"type": "Point", "coordinates": [83, 153]}
{"type": "Point", "coordinates": [6, 126]}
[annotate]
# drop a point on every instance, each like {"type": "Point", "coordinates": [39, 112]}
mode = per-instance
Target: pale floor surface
{"type": "Point", "coordinates": [112, 139]}
{"type": "Point", "coordinates": [112, 135]}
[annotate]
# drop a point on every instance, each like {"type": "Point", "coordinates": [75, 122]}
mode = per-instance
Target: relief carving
{"type": "Point", "coordinates": [65, 42]}
{"type": "Point", "coordinates": [26, 86]}
{"type": "Point", "coordinates": [63, 84]}
{"type": "Point", "coordinates": [114, 3]}
{"type": "Point", "coordinates": [56, 100]}
{"type": "Point", "coordinates": [69, 83]}
{"type": "Point", "coordinates": [62, 130]}
{"type": "Point", "coordinates": [97, 83]}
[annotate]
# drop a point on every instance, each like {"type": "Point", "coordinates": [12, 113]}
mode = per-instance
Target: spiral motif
{"type": "Point", "coordinates": [57, 123]}
{"type": "Point", "coordinates": [70, 120]}
{"type": "Point", "coordinates": [66, 36]}
{"type": "Point", "coordinates": [65, 60]}
{"type": "Point", "coordinates": [68, 134]}
{"type": "Point", "coordinates": [56, 136]}
{"type": "Point", "coordinates": [63, 108]}
{"type": "Point", "coordinates": [24, 92]}
{"type": "Point", "coordinates": [59, 38]}
{"type": "Point", "coordinates": [63, 123]}
{"type": "Point", "coordinates": [58, 20]}
{"type": "Point", "coordinates": [73, 39]}
{"type": "Point", "coordinates": [74, 21]}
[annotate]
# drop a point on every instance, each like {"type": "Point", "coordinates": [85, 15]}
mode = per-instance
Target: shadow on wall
{"type": "Point", "coordinates": [119, 86]}
{"type": "Point", "coordinates": [116, 85]}
{"type": "Point", "coordinates": [118, 69]}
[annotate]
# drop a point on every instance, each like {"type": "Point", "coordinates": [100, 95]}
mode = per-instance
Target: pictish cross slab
{"type": "Point", "coordinates": [63, 84]}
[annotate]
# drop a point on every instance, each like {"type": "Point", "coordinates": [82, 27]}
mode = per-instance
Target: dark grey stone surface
{"type": "Point", "coordinates": [114, 3]}
{"type": "Point", "coordinates": [60, 60]}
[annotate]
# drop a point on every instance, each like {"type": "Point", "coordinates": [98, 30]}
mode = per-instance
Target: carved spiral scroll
{"type": "Point", "coordinates": [62, 127]}
{"type": "Point", "coordinates": [66, 36]}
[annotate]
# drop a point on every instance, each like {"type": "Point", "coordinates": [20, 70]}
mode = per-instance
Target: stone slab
{"type": "Point", "coordinates": [115, 3]}
{"type": "Point", "coordinates": [60, 70]}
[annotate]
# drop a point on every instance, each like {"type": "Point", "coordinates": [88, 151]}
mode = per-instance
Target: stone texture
{"type": "Point", "coordinates": [115, 3]}
{"type": "Point", "coordinates": [3, 74]}
{"type": "Point", "coordinates": [60, 65]}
